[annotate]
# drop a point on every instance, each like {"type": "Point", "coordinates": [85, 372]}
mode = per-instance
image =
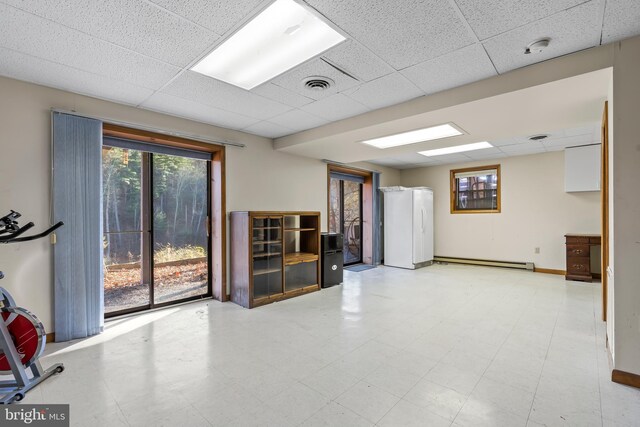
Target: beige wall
{"type": "Point", "coordinates": [258, 177]}
{"type": "Point", "coordinates": [536, 212]}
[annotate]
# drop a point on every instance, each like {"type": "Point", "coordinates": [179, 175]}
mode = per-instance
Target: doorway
{"type": "Point", "coordinates": [156, 220]}
{"type": "Point", "coordinates": [345, 213]}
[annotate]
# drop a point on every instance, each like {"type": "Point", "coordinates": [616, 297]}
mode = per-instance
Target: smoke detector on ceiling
{"type": "Point", "coordinates": [317, 83]}
{"type": "Point", "coordinates": [537, 46]}
{"type": "Point", "coordinates": [537, 137]}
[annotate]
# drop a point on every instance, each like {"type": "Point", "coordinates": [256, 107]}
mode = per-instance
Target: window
{"type": "Point", "coordinates": [475, 190]}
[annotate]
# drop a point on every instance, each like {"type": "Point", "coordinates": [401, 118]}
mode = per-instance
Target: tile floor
{"type": "Point", "coordinates": [444, 345]}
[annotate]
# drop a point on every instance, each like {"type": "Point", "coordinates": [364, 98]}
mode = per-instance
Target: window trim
{"type": "Point", "coordinates": [452, 190]}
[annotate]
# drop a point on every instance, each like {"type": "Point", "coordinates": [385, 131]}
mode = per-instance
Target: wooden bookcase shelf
{"type": "Point", "coordinates": [274, 256]}
{"type": "Point", "coordinates": [298, 257]}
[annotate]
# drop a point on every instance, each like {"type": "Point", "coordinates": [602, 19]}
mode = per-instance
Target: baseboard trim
{"type": "Point", "coordinates": [51, 337]}
{"type": "Point", "coordinates": [485, 262]}
{"type": "Point", "coordinates": [626, 378]}
{"type": "Point", "coordinates": [549, 271]}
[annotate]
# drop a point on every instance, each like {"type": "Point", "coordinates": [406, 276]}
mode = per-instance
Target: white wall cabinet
{"type": "Point", "coordinates": [582, 168]}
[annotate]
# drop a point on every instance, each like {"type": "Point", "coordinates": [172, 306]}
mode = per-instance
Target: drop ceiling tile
{"type": "Point", "coordinates": [487, 156]}
{"type": "Point", "coordinates": [575, 29]}
{"type": "Point", "coordinates": [181, 107]}
{"type": "Point", "coordinates": [298, 120]}
{"type": "Point", "coordinates": [136, 25]}
{"type": "Point", "coordinates": [358, 61]}
{"type": "Point", "coordinates": [509, 141]}
{"type": "Point", "coordinates": [621, 20]}
{"type": "Point", "coordinates": [282, 95]}
{"type": "Point", "coordinates": [215, 93]}
{"type": "Point", "coordinates": [35, 70]}
{"type": "Point", "coordinates": [389, 162]}
{"type": "Point", "coordinates": [410, 166]}
{"type": "Point", "coordinates": [69, 47]}
{"type": "Point", "coordinates": [491, 17]}
{"type": "Point", "coordinates": [482, 154]}
{"type": "Point", "coordinates": [452, 158]}
{"type": "Point", "coordinates": [388, 90]}
{"type": "Point", "coordinates": [293, 79]}
{"type": "Point", "coordinates": [402, 33]}
{"type": "Point", "coordinates": [454, 69]}
{"type": "Point", "coordinates": [518, 149]}
{"type": "Point", "coordinates": [335, 107]}
{"type": "Point", "coordinates": [415, 158]}
{"type": "Point", "coordinates": [268, 129]}
{"type": "Point", "coordinates": [568, 141]}
{"type": "Point", "coordinates": [218, 16]}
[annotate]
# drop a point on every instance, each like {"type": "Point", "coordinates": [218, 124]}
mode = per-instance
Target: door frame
{"type": "Point", "coordinates": [216, 223]}
{"type": "Point", "coordinates": [604, 194]}
{"type": "Point", "coordinates": [367, 206]}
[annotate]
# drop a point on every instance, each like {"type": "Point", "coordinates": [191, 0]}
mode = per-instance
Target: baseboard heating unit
{"type": "Point", "coordinates": [488, 263]}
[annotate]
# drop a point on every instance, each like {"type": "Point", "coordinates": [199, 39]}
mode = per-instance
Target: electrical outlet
{"type": "Point", "coordinates": [536, 250]}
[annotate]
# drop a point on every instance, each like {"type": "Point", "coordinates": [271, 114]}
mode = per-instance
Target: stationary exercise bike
{"type": "Point", "coordinates": [22, 335]}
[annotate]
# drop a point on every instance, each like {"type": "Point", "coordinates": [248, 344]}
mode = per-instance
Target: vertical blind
{"type": "Point", "coordinates": [77, 200]}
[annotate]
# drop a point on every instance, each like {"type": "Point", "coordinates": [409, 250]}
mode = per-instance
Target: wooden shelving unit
{"type": "Point", "coordinates": [274, 256]}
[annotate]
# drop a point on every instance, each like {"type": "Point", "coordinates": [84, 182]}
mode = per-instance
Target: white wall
{"type": "Point", "coordinates": [258, 177]}
{"type": "Point", "coordinates": [536, 212]}
{"type": "Point", "coordinates": [626, 213]}
{"type": "Point", "coordinates": [611, 279]}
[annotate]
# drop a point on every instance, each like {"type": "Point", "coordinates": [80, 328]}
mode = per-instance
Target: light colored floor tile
{"type": "Point", "coordinates": [409, 415]}
{"type": "Point", "coordinates": [555, 412]}
{"type": "Point", "coordinates": [392, 379]}
{"type": "Point", "coordinates": [297, 403]}
{"type": "Point", "coordinates": [483, 413]}
{"type": "Point", "coordinates": [436, 398]}
{"type": "Point", "coordinates": [504, 397]}
{"type": "Point", "coordinates": [620, 404]}
{"type": "Point", "coordinates": [330, 381]}
{"type": "Point", "coordinates": [461, 380]}
{"type": "Point", "coordinates": [468, 344]}
{"type": "Point", "coordinates": [259, 415]}
{"type": "Point", "coordinates": [368, 401]}
{"type": "Point", "coordinates": [112, 417]}
{"type": "Point", "coordinates": [465, 359]}
{"type": "Point", "coordinates": [334, 414]}
{"type": "Point", "coordinates": [411, 363]}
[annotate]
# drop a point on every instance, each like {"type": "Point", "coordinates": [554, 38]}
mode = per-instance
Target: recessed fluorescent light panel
{"type": "Point", "coordinates": [411, 137]}
{"type": "Point", "coordinates": [284, 35]}
{"type": "Point", "coordinates": [456, 149]}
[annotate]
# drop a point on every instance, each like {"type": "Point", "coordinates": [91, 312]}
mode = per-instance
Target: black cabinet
{"type": "Point", "coordinates": [332, 259]}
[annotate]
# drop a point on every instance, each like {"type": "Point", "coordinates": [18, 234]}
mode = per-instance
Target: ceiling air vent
{"type": "Point", "coordinates": [317, 83]}
{"type": "Point", "coordinates": [538, 137]}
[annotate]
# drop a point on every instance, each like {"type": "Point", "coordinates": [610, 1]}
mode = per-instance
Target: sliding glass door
{"type": "Point", "coordinates": [125, 286]}
{"type": "Point", "coordinates": [345, 214]}
{"type": "Point", "coordinates": [180, 210]}
{"type": "Point", "coordinates": [155, 211]}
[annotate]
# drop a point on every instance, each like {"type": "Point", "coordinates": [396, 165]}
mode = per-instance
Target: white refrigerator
{"type": "Point", "coordinates": [408, 227]}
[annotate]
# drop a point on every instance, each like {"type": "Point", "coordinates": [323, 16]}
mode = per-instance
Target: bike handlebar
{"type": "Point", "coordinates": [13, 239]}
{"type": "Point", "coordinates": [10, 230]}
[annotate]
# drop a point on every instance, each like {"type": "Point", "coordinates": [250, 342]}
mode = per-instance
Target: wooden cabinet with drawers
{"type": "Point", "coordinates": [579, 256]}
